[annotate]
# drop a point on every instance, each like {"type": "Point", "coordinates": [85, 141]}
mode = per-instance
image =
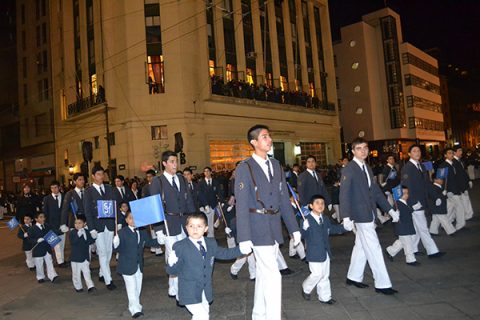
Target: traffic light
{"type": "Point", "coordinates": [182, 158]}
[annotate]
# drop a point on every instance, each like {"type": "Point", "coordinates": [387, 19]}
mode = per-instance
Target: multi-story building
{"type": "Point", "coordinates": [389, 90]}
{"type": "Point", "coordinates": [135, 78]}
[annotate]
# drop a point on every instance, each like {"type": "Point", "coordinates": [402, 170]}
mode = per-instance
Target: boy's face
{"type": "Point", "coordinates": [187, 175]}
{"type": "Point", "coordinates": [196, 228]}
{"type": "Point", "coordinates": [79, 224]}
{"type": "Point", "coordinates": [130, 221]}
{"type": "Point", "coordinates": [360, 151]}
{"type": "Point", "coordinates": [80, 182]}
{"type": "Point", "coordinates": [415, 153]}
{"type": "Point", "coordinates": [27, 220]}
{"type": "Point", "coordinates": [124, 207]}
{"type": "Point", "coordinates": [318, 206]}
{"type": "Point", "coordinates": [311, 164]}
{"type": "Point", "coordinates": [118, 183]}
{"type": "Point", "coordinates": [98, 177]}
{"type": "Point", "coordinates": [449, 155]}
{"type": "Point", "coordinates": [391, 160]}
{"type": "Point", "coordinates": [207, 173]}
{"type": "Point", "coordinates": [171, 165]}
{"type": "Point", "coordinates": [263, 142]}
{"type": "Point", "coordinates": [40, 218]}
{"type": "Point", "coordinates": [55, 189]}
{"type": "Point", "coordinates": [405, 194]}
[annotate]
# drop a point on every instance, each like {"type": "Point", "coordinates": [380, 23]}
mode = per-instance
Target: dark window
{"type": "Point", "coordinates": [111, 138]}
{"type": "Point", "coordinates": [44, 33]}
{"type": "Point", "coordinates": [155, 64]}
{"type": "Point", "coordinates": [96, 142]}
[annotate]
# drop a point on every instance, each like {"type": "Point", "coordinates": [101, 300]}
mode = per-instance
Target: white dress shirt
{"type": "Point", "coordinates": [262, 163]}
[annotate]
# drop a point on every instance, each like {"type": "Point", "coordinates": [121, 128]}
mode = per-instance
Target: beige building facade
{"type": "Point", "coordinates": [145, 69]}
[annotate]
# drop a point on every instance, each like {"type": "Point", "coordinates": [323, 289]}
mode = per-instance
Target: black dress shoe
{"type": "Point", "coordinates": [233, 276]}
{"type": "Point", "coordinates": [306, 296]}
{"type": "Point", "coordinates": [101, 279]}
{"type": "Point", "coordinates": [434, 234]}
{"type": "Point", "coordinates": [137, 315]}
{"type": "Point", "coordinates": [111, 286]}
{"type": "Point", "coordinates": [294, 257]}
{"type": "Point", "coordinates": [159, 254]}
{"type": "Point", "coordinates": [331, 301]}
{"type": "Point", "coordinates": [419, 253]}
{"type": "Point", "coordinates": [41, 281]}
{"type": "Point", "coordinates": [414, 263]}
{"type": "Point", "coordinates": [92, 290]}
{"type": "Point", "coordinates": [439, 254]}
{"type": "Point", "coordinates": [356, 284]}
{"type": "Point", "coordinates": [252, 279]}
{"type": "Point", "coordinates": [389, 256]}
{"type": "Point", "coordinates": [32, 269]}
{"type": "Point", "coordinates": [386, 291]}
{"type": "Point", "coordinates": [171, 296]}
{"type": "Point", "coordinates": [78, 290]}
{"type": "Point", "coordinates": [55, 279]}
{"type": "Point", "coordinates": [286, 272]}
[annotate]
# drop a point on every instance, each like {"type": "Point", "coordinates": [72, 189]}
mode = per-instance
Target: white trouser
{"type": "Point", "coordinates": [467, 205]}
{"type": "Point", "coordinates": [299, 249]}
{"type": "Point", "coordinates": [441, 220]}
{"type": "Point", "coordinates": [320, 278]}
{"type": "Point", "coordinates": [282, 264]}
{"type": "Point", "coordinates": [172, 280]}
{"type": "Point", "coordinates": [60, 249]}
{"type": "Point", "coordinates": [405, 243]}
{"type": "Point", "coordinates": [238, 264]}
{"type": "Point", "coordinates": [29, 260]}
{"type": "Point", "coordinates": [39, 267]}
{"type": "Point", "coordinates": [422, 233]}
{"type": "Point", "coordinates": [267, 302]}
{"type": "Point", "coordinates": [200, 311]}
{"type": "Point", "coordinates": [336, 207]}
{"type": "Point", "coordinates": [79, 268]}
{"type": "Point", "coordinates": [210, 217]}
{"type": "Point", "coordinates": [456, 211]}
{"type": "Point", "coordinates": [157, 250]}
{"type": "Point", "coordinates": [382, 218]}
{"type": "Point", "coordinates": [367, 248]}
{"type": "Point", "coordinates": [104, 243]}
{"type": "Point", "coordinates": [133, 285]}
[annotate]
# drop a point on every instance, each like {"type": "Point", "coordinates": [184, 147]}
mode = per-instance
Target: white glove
{"type": "Point", "coordinates": [348, 224]}
{"type": "Point", "coordinates": [116, 241]}
{"type": "Point", "coordinates": [444, 192]}
{"type": "Point", "coordinates": [387, 193]}
{"type": "Point", "coordinates": [470, 184]}
{"type": "Point", "coordinates": [416, 206]}
{"type": "Point", "coordinates": [64, 228]}
{"type": "Point", "coordinates": [25, 235]}
{"type": "Point", "coordinates": [438, 202]}
{"type": "Point", "coordinates": [306, 225]}
{"type": "Point", "coordinates": [330, 206]}
{"type": "Point", "coordinates": [449, 195]}
{"type": "Point", "coordinates": [207, 209]}
{"type": "Point", "coordinates": [245, 247]}
{"type": "Point", "coordinates": [229, 208]}
{"type": "Point", "coordinates": [172, 258]}
{"type": "Point", "coordinates": [119, 226]}
{"type": "Point", "coordinates": [160, 237]}
{"type": "Point", "coordinates": [40, 240]}
{"type": "Point", "coordinates": [297, 237]}
{"type": "Point", "coordinates": [395, 214]}
{"type": "Point", "coordinates": [228, 231]}
{"type": "Point", "coordinates": [94, 234]}
{"type": "Point", "coordinates": [202, 209]}
{"type": "Point", "coordinates": [169, 243]}
{"type": "Point", "coordinates": [383, 184]}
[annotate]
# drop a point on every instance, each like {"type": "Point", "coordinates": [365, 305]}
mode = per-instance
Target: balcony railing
{"type": "Point", "coordinates": [84, 104]}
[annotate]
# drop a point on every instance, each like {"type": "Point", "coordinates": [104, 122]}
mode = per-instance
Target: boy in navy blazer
{"type": "Point", "coordinates": [52, 207]}
{"type": "Point", "coordinates": [41, 250]}
{"type": "Point", "coordinates": [129, 243]}
{"type": "Point", "coordinates": [316, 229]}
{"type": "Point", "coordinates": [80, 241]}
{"type": "Point", "coordinates": [186, 260]}
{"type": "Point", "coordinates": [26, 245]}
{"type": "Point", "coordinates": [405, 231]}
{"type": "Point", "coordinates": [437, 203]}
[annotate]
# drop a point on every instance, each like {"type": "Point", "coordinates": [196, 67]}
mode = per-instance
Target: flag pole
{"type": "Point", "coordinates": [223, 215]}
{"type": "Point", "coordinates": [295, 200]}
{"type": "Point", "coordinates": [116, 216]}
{"type": "Point", "coordinates": [22, 228]}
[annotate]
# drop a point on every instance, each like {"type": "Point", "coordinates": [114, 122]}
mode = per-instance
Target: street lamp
{"type": "Point", "coordinates": [71, 170]}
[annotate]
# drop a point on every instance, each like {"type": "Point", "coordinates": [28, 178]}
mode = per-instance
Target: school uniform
{"type": "Point", "coordinates": [259, 207]}
{"type": "Point", "coordinates": [405, 231]}
{"type": "Point", "coordinates": [122, 194]}
{"type": "Point", "coordinates": [359, 197]}
{"type": "Point", "coordinates": [193, 186]}
{"type": "Point", "coordinates": [438, 208]}
{"type": "Point", "coordinates": [67, 216]}
{"type": "Point", "coordinates": [104, 227]}
{"type": "Point", "coordinates": [454, 187]}
{"type": "Point", "coordinates": [52, 207]}
{"type": "Point", "coordinates": [194, 269]}
{"type": "Point", "coordinates": [41, 251]}
{"type": "Point", "coordinates": [416, 178]}
{"type": "Point", "coordinates": [26, 245]}
{"type": "Point", "coordinates": [136, 193]}
{"type": "Point", "coordinates": [80, 241]}
{"type": "Point", "coordinates": [240, 261]}
{"type": "Point", "coordinates": [319, 254]}
{"type": "Point", "coordinates": [391, 179]}
{"type": "Point", "coordinates": [178, 203]}
{"type": "Point", "coordinates": [130, 263]}
{"type": "Point", "coordinates": [209, 195]}
{"type": "Point", "coordinates": [465, 182]}
{"type": "Point", "coordinates": [310, 183]}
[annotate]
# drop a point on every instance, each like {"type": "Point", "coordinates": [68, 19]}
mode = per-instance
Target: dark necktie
{"type": "Point", "coordinates": [122, 192]}
{"type": "Point", "coordinates": [366, 174]}
{"type": "Point", "coordinates": [419, 167]}
{"type": "Point", "coordinates": [56, 200]}
{"type": "Point", "coordinates": [174, 185]}
{"type": "Point", "coordinates": [190, 185]}
{"type": "Point", "coordinates": [270, 176]}
{"type": "Point", "coordinates": [81, 194]}
{"type": "Point", "coordinates": [209, 183]}
{"type": "Point", "coordinates": [102, 192]}
{"type": "Point", "coordinates": [315, 176]}
{"type": "Point", "coordinates": [202, 249]}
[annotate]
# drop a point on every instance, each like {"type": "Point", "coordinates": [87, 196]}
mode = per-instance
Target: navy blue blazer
{"type": "Point", "coordinates": [127, 197]}
{"type": "Point", "coordinates": [404, 226]}
{"type": "Point", "coordinates": [454, 181]}
{"type": "Point", "coordinates": [209, 195]}
{"type": "Point", "coordinates": [194, 272]}
{"type": "Point", "coordinates": [130, 250]}
{"type": "Point", "coordinates": [194, 192]}
{"type": "Point", "coordinates": [436, 192]}
{"type": "Point", "coordinates": [357, 201]}
{"type": "Point", "coordinates": [53, 212]}
{"type": "Point", "coordinates": [293, 180]}
{"type": "Point", "coordinates": [177, 203]}
{"type": "Point", "coordinates": [68, 218]}
{"type": "Point", "coordinates": [262, 229]}
{"type": "Point", "coordinates": [418, 183]}
{"type": "Point", "coordinates": [91, 195]}
{"type": "Point", "coordinates": [80, 248]}
{"type": "Point", "coordinates": [309, 186]}
{"type": "Point", "coordinates": [393, 181]}
{"type": "Point", "coordinates": [26, 243]}
{"type": "Point", "coordinates": [35, 233]}
{"type": "Point", "coordinates": [462, 174]}
{"type": "Point", "coordinates": [317, 240]}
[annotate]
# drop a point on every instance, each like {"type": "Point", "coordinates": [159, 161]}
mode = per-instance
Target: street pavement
{"type": "Point", "coordinates": [445, 288]}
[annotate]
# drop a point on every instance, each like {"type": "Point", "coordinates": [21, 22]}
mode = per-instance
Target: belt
{"type": "Point", "coordinates": [263, 211]}
{"type": "Point", "coordinates": [175, 214]}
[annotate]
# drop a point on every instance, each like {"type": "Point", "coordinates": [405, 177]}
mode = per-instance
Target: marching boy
{"type": "Point", "coordinates": [129, 243]}
{"type": "Point", "coordinates": [41, 249]}
{"type": "Point", "coordinates": [80, 241]}
{"type": "Point", "coordinates": [186, 260]}
{"type": "Point", "coordinates": [26, 244]}
{"type": "Point", "coordinates": [316, 229]}
{"type": "Point", "coordinates": [438, 208]}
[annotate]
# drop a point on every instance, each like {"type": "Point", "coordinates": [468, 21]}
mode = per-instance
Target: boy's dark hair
{"type": "Point", "coordinates": [38, 213]}
{"type": "Point", "coordinates": [78, 175]}
{"type": "Point", "coordinates": [55, 183]}
{"type": "Point", "coordinates": [207, 167]}
{"type": "Point", "coordinates": [390, 155]}
{"type": "Point", "coordinates": [455, 148]}
{"type": "Point", "coordinates": [254, 131]}
{"type": "Point", "coordinates": [167, 154]}
{"type": "Point", "coordinates": [151, 171]}
{"type": "Point", "coordinates": [316, 197]}
{"type": "Point", "coordinates": [414, 146]}
{"type": "Point", "coordinates": [120, 177]}
{"type": "Point", "coordinates": [187, 169]}
{"type": "Point", "coordinates": [358, 141]}
{"type": "Point", "coordinates": [95, 169]}
{"type": "Point", "coordinates": [197, 215]}
{"type": "Point", "coordinates": [404, 187]}
{"type": "Point", "coordinates": [447, 149]}
{"type": "Point", "coordinates": [81, 217]}
{"type": "Point", "coordinates": [310, 156]}
{"type": "Point", "coordinates": [122, 202]}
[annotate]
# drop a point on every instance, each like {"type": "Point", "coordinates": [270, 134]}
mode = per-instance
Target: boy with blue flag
{"type": "Point", "coordinates": [80, 241]}
{"type": "Point", "coordinates": [26, 244]}
{"type": "Point", "coordinates": [437, 200]}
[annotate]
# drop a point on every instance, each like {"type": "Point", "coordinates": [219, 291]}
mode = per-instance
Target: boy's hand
{"type": "Point", "coordinates": [160, 237]}
{"type": "Point", "coordinates": [116, 241]}
{"type": "Point", "coordinates": [438, 202]}
{"type": "Point", "coordinates": [306, 225]}
{"type": "Point", "coordinates": [64, 228]}
{"type": "Point", "coordinates": [94, 234]}
{"type": "Point", "coordinates": [228, 231]}
{"type": "Point", "coordinates": [25, 235]}
{"type": "Point", "coordinates": [395, 214]}
{"type": "Point", "coordinates": [119, 226]}
{"type": "Point", "coordinates": [330, 207]}
{"type": "Point", "coordinates": [40, 240]}
{"type": "Point", "coordinates": [246, 246]}
{"type": "Point", "coordinates": [297, 237]}
{"type": "Point", "coordinates": [348, 224]}
{"type": "Point", "coordinates": [172, 258]}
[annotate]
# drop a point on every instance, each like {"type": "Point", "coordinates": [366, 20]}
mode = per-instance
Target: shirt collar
{"type": "Point", "coordinates": [415, 162]}
{"type": "Point", "coordinates": [456, 158]}
{"type": "Point", "coordinates": [132, 228]}
{"type": "Point", "coordinates": [403, 201]}
{"type": "Point", "coordinates": [311, 171]}
{"type": "Point", "coordinates": [78, 189]}
{"type": "Point", "coordinates": [168, 176]}
{"type": "Point", "coordinates": [359, 162]}
{"type": "Point", "coordinates": [438, 185]}
{"type": "Point", "coordinates": [388, 164]}
{"type": "Point", "coordinates": [317, 218]}
{"type": "Point", "coordinates": [259, 159]}
{"type": "Point", "coordinates": [449, 161]}
{"type": "Point", "coordinates": [195, 242]}
{"type": "Point", "coordinates": [38, 225]}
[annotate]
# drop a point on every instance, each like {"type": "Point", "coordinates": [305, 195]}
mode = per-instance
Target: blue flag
{"type": "Point", "coordinates": [74, 206]}
{"type": "Point", "coordinates": [218, 212]}
{"type": "Point", "coordinates": [52, 239]}
{"type": "Point", "coordinates": [148, 210]}
{"type": "Point", "coordinates": [305, 210]}
{"type": "Point", "coordinates": [392, 175]}
{"type": "Point", "coordinates": [294, 195]}
{"type": "Point", "coordinates": [13, 223]}
{"type": "Point", "coordinates": [442, 173]}
{"type": "Point", "coordinates": [397, 192]}
{"type": "Point", "coordinates": [106, 208]}
{"type": "Point", "coordinates": [428, 165]}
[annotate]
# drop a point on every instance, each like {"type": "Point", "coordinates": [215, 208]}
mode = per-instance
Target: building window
{"type": "Point", "coordinates": [39, 37]}
{"type": "Point", "coordinates": [96, 142]}
{"type": "Point", "coordinates": [224, 154]}
{"type": "Point", "coordinates": [339, 103]}
{"type": "Point", "coordinates": [159, 132]}
{"type": "Point", "coordinates": [40, 90]}
{"type": "Point", "coordinates": [426, 124]}
{"type": "Point", "coordinates": [45, 89]}
{"type": "Point", "coordinates": [337, 83]}
{"type": "Point", "coordinates": [44, 61]}
{"type": "Point", "coordinates": [155, 63]}
{"type": "Point", "coordinates": [316, 149]}
{"type": "Point", "coordinates": [111, 138]}
{"type": "Point", "coordinates": [408, 58]}
{"type": "Point", "coordinates": [417, 102]}
{"type": "Point", "coordinates": [44, 33]}
{"type": "Point", "coordinates": [43, 7]}
{"type": "Point", "coordinates": [22, 13]}
{"type": "Point", "coordinates": [412, 80]}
